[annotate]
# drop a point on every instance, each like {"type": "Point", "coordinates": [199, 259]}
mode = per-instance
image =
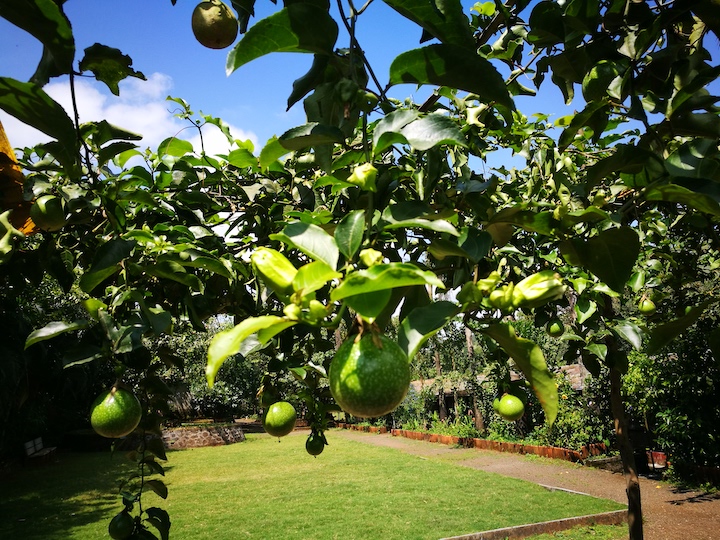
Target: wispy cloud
{"type": "Point", "coordinates": [140, 108]}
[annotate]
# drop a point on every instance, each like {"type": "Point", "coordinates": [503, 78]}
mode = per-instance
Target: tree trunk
{"type": "Point", "coordinates": [479, 420]}
{"type": "Point", "coordinates": [632, 484]}
{"type": "Point", "coordinates": [441, 390]}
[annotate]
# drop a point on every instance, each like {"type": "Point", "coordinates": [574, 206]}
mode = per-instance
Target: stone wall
{"type": "Point", "coordinates": [198, 436]}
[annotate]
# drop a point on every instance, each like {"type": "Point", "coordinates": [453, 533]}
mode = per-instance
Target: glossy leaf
{"type": "Point", "coordinates": [109, 66]}
{"type": "Point", "coordinates": [350, 232]}
{"type": "Point", "coordinates": [160, 519]}
{"type": "Point", "coordinates": [228, 342]}
{"type": "Point", "coordinates": [443, 19]}
{"type": "Point", "coordinates": [312, 241]}
{"type": "Point", "coordinates": [312, 134]}
{"type": "Point", "coordinates": [370, 304]}
{"type": "Point", "coordinates": [422, 323]}
{"type": "Point", "coordinates": [45, 20]}
{"type": "Point", "coordinates": [52, 330]}
{"type": "Point", "coordinates": [679, 194]}
{"type": "Point", "coordinates": [313, 276]}
{"type": "Point", "coordinates": [453, 66]}
{"type": "Point", "coordinates": [610, 255]}
{"type": "Point", "coordinates": [300, 27]}
{"type": "Point", "coordinates": [31, 105]}
{"type": "Point", "coordinates": [664, 334]}
{"type": "Point", "coordinates": [630, 332]}
{"type": "Point", "coordinates": [157, 486]}
{"type": "Point", "coordinates": [387, 131]}
{"type": "Point", "coordinates": [528, 356]}
{"type": "Point", "coordinates": [384, 276]}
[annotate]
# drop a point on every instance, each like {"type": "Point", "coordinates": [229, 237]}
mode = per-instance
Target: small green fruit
{"type": "Point", "coordinates": [280, 418]}
{"type": "Point", "coordinates": [115, 413]}
{"type": "Point", "coordinates": [48, 213]}
{"type": "Point", "coordinates": [555, 328]}
{"type": "Point", "coordinates": [121, 526]}
{"type": "Point", "coordinates": [647, 307]}
{"type": "Point", "coordinates": [315, 444]}
{"type": "Point", "coordinates": [510, 407]}
{"type": "Point", "coordinates": [214, 24]}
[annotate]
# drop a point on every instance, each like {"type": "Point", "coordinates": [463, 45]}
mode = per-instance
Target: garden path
{"type": "Point", "coordinates": [669, 513]}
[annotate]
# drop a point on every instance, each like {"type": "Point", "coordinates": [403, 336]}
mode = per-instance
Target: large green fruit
{"type": "Point", "coordinates": [510, 407]}
{"type": "Point", "coordinates": [121, 526]}
{"type": "Point", "coordinates": [115, 413]}
{"type": "Point", "coordinates": [214, 24]}
{"type": "Point", "coordinates": [280, 418]}
{"type": "Point", "coordinates": [48, 213]}
{"type": "Point", "coordinates": [370, 377]}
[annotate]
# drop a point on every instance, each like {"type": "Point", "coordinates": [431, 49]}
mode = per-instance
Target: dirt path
{"type": "Point", "coordinates": [669, 513]}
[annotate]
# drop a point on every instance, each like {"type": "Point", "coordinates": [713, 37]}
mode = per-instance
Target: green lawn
{"type": "Point", "coordinates": [266, 489]}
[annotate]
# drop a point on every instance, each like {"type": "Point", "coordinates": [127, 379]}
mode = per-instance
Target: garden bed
{"type": "Point", "coordinates": [486, 444]}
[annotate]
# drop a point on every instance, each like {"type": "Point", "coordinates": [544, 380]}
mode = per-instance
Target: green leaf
{"type": "Point", "coordinates": [109, 65]}
{"type": "Point", "coordinates": [155, 446]}
{"type": "Point", "coordinates": [271, 152]}
{"type": "Point", "coordinates": [407, 215]}
{"type": "Point", "coordinates": [453, 66]}
{"type": "Point", "coordinates": [52, 330]}
{"type": "Point", "coordinates": [160, 519]}
{"type": "Point", "coordinates": [300, 27]}
{"type": "Point", "coordinates": [530, 359]}
{"type": "Point", "coordinates": [44, 20]}
{"type": "Point", "coordinates": [599, 350]}
{"type": "Point", "coordinates": [546, 25]}
{"type": "Point", "coordinates": [228, 342]}
{"type": "Point", "coordinates": [387, 131]}
{"type": "Point", "coordinates": [313, 276]}
{"type": "Point", "coordinates": [384, 276]}
{"type": "Point", "coordinates": [443, 19]}
{"type": "Point", "coordinates": [369, 305]}
{"type": "Point", "coordinates": [584, 309]}
{"type": "Point", "coordinates": [630, 332]}
{"type": "Point", "coordinates": [432, 130]}
{"type": "Point", "coordinates": [312, 241]}
{"type": "Point", "coordinates": [31, 105]}
{"type": "Point", "coordinates": [422, 323]}
{"type": "Point", "coordinates": [309, 81]}
{"type": "Point", "coordinates": [82, 354]}
{"type": "Point", "coordinates": [679, 194]}
{"type": "Point", "coordinates": [584, 118]}
{"type": "Point", "coordinates": [610, 255]}
{"type": "Point", "coordinates": [694, 159]}
{"type": "Point", "coordinates": [311, 134]}
{"type": "Point", "coordinates": [349, 233]}
{"type": "Point", "coordinates": [158, 486]}
{"type": "Point", "coordinates": [662, 335]}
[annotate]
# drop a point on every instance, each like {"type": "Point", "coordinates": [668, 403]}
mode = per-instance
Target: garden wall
{"type": "Point", "coordinates": [198, 436]}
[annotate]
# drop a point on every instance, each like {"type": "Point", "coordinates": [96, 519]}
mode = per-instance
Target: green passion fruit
{"type": "Point", "coordinates": [121, 526]}
{"type": "Point", "coordinates": [48, 213]}
{"type": "Point", "coordinates": [555, 328]}
{"type": "Point", "coordinates": [115, 413]}
{"type": "Point", "coordinates": [214, 24]}
{"type": "Point", "coordinates": [315, 444]}
{"type": "Point", "coordinates": [279, 419]}
{"type": "Point", "coordinates": [510, 407]}
{"type": "Point", "coordinates": [369, 377]}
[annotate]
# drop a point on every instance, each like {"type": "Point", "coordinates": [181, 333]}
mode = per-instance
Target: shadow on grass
{"type": "Point", "coordinates": [48, 501]}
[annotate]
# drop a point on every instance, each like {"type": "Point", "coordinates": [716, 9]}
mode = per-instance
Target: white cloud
{"type": "Point", "coordinates": [140, 108]}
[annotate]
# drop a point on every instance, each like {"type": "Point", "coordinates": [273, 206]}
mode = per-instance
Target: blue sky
{"type": "Point", "coordinates": [158, 37]}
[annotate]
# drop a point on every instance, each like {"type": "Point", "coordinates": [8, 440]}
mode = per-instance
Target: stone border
{"type": "Point", "coordinates": [618, 517]}
{"type": "Point", "coordinates": [199, 436]}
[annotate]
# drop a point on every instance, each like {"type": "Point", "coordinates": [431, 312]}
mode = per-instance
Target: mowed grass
{"type": "Point", "coordinates": [266, 489]}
